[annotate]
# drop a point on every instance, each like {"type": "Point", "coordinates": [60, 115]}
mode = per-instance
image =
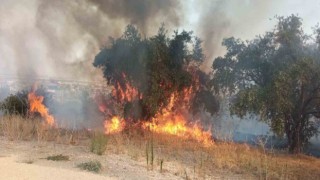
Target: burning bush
{"type": "Point", "coordinates": [24, 103]}
{"type": "Point", "coordinates": [157, 74]}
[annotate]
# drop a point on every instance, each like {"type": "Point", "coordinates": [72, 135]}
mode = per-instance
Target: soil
{"type": "Point", "coordinates": [27, 160]}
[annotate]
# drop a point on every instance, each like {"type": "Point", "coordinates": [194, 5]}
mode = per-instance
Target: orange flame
{"type": "Point", "coordinates": [127, 92]}
{"type": "Point", "coordinates": [173, 119]}
{"type": "Point", "coordinates": [175, 123]}
{"type": "Point", "coordinates": [115, 125]}
{"type": "Point", "coordinates": [36, 105]}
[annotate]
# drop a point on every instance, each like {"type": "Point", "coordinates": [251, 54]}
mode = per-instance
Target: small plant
{"type": "Point", "coordinates": [59, 157]}
{"type": "Point", "coordinates": [150, 152]}
{"type": "Point", "coordinates": [161, 165]}
{"type": "Point", "coordinates": [98, 144]}
{"type": "Point", "coordinates": [28, 161]}
{"type": "Point", "coordinates": [186, 175]}
{"type": "Point", "coordinates": [93, 166]}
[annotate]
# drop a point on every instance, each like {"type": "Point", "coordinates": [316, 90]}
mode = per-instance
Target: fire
{"type": "Point", "coordinates": [172, 119]}
{"type": "Point", "coordinates": [175, 123]}
{"type": "Point", "coordinates": [36, 105]}
{"type": "Point", "coordinates": [115, 125]}
{"type": "Point", "coordinates": [125, 92]}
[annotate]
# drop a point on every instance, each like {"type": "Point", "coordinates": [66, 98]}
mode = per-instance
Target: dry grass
{"type": "Point", "coordinates": [255, 162]}
{"type": "Point", "coordinates": [18, 128]}
{"type": "Point", "coordinates": [194, 161]}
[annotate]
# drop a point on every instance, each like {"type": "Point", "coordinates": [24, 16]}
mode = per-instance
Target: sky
{"type": "Point", "coordinates": [59, 39]}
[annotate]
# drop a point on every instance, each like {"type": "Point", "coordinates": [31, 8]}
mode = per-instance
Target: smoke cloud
{"type": "Point", "coordinates": [59, 39]}
{"type": "Point", "coordinates": [220, 19]}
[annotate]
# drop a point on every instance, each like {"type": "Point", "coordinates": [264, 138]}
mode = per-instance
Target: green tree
{"type": "Point", "coordinates": [156, 67]}
{"type": "Point", "coordinates": [15, 104]}
{"type": "Point", "coordinates": [275, 76]}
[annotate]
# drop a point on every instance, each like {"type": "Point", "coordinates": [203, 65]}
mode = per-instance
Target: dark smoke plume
{"type": "Point", "coordinates": [142, 13]}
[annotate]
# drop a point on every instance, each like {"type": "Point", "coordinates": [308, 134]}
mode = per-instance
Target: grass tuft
{"type": "Point", "coordinates": [28, 161]}
{"type": "Point", "coordinates": [58, 157]}
{"type": "Point", "coordinates": [98, 143]}
{"type": "Point", "coordinates": [93, 166]}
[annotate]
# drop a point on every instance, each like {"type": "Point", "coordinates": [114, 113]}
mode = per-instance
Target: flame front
{"type": "Point", "coordinates": [115, 125]}
{"type": "Point", "coordinates": [175, 123]}
{"type": "Point", "coordinates": [36, 105]}
{"type": "Point", "coordinates": [172, 119]}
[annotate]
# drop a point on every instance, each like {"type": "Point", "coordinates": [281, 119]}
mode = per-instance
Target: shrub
{"type": "Point", "coordinates": [16, 104]}
{"type": "Point", "coordinates": [98, 144]}
{"type": "Point", "coordinates": [59, 157]}
{"type": "Point", "coordinates": [93, 166]}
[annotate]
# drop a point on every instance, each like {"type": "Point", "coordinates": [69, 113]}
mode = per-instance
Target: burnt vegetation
{"type": "Point", "coordinates": [154, 68]}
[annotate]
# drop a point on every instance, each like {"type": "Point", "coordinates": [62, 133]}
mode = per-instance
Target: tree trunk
{"type": "Point", "coordinates": [294, 136]}
{"type": "Point", "coordinates": [295, 145]}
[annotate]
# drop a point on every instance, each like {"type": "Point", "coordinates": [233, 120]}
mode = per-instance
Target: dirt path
{"type": "Point", "coordinates": [10, 168]}
{"type": "Point", "coordinates": [27, 160]}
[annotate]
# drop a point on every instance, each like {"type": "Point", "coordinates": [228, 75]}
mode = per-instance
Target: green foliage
{"type": "Point", "coordinates": [16, 104]}
{"type": "Point", "coordinates": [59, 157]}
{"type": "Point", "coordinates": [276, 76]}
{"type": "Point", "coordinates": [93, 166]}
{"type": "Point", "coordinates": [155, 66]}
{"type": "Point", "coordinates": [99, 144]}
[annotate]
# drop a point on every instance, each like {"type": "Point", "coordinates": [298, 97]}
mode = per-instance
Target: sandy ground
{"type": "Point", "coordinates": [10, 168]}
{"type": "Point", "coordinates": [27, 160]}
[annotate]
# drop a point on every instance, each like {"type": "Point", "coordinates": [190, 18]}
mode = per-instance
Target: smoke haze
{"type": "Point", "coordinates": [59, 39]}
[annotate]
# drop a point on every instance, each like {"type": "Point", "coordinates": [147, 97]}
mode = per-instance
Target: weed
{"type": "Point", "coordinates": [59, 157]}
{"type": "Point", "coordinates": [28, 161]}
{"type": "Point", "coordinates": [186, 175]}
{"type": "Point", "coordinates": [98, 143]}
{"type": "Point", "coordinates": [150, 152]}
{"type": "Point", "coordinates": [93, 166]}
{"type": "Point", "coordinates": [161, 165]}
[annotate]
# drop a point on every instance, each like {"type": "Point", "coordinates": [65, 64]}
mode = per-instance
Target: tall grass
{"type": "Point", "coordinates": [191, 159]}
{"type": "Point", "coordinates": [18, 128]}
{"type": "Point", "coordinates": [256, 162]}
{"type": "Point", "coordinates": [98, 143]}
{"type": "Point", "coordinates": [14, 127]}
